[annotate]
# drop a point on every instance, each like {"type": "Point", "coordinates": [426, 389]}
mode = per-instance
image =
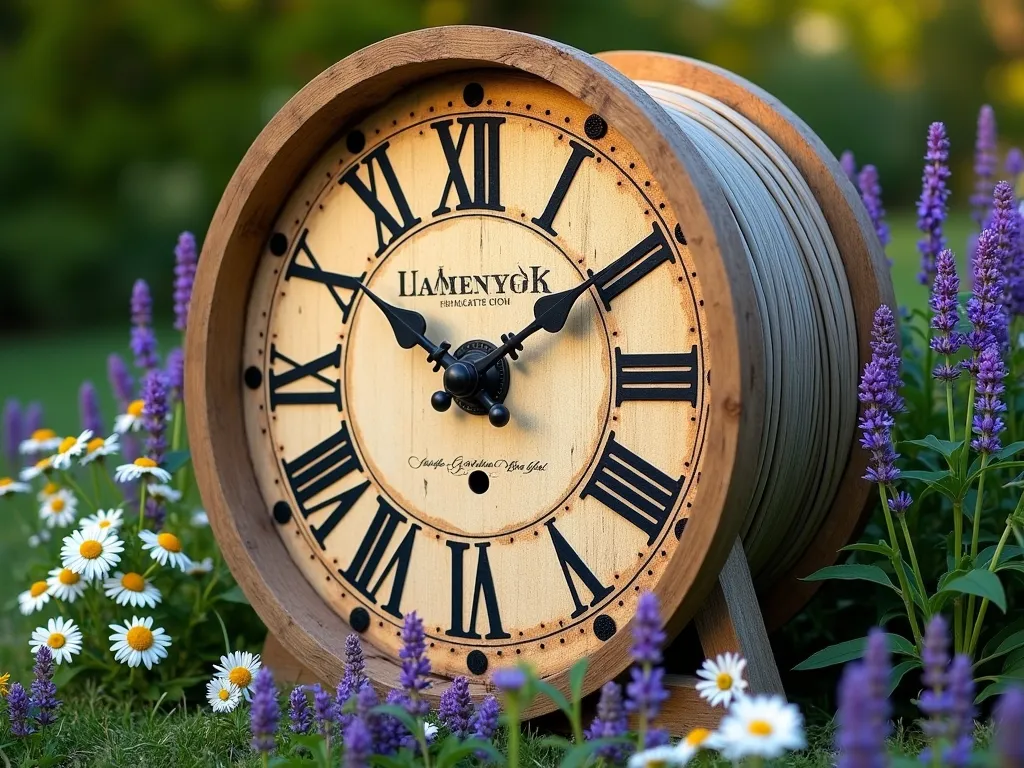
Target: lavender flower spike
{"type": "Point", "coordinates": [154, 414]}
{"type": "Point", "coordinates": [987, 422]}
{"type": "Point", "coordinates": [18, 705]}
{"type": "Point", "coordinates": [1009, 717]}
{"type": "Point", "coordinates": [14, 432]}
{"type": "Point", "coordinates": [33, 419]}
{"type": "Point", "coordinates": [871, 195]}
{"type": "Point", "coordinates": [265, 713]}
{"type": "Point", "coordinates": [985, 307]}
{"type": "Point", "coordinates": [143, 340]}
{"type": "Point", "coordinates": [610, 722]}
{"type": "Point", "coordinates": [849, 165]}
{"type": "Point", "coordinates": [44, 693]}
{"type": "Point", "coordinates": [185, 258]}
{"type": "Point", "coordinates": [484, 723]}
{"type": "Point", "coordinates": [415, 664]}
{"type": "Point", "coordinates": [1005, 222]}
{"type": "Point", "coordinates": [985, 165]}
{"type": "Point", "coordinates": [646, 690]}
{"type": "Point", "coordinates": [878, 394]}
{"type": "Point", "coordinates": [120, 381]}
{"type": "Point", "coordinates": [325, 709]}
{"type": "Point", "coordinates": [1014, 163]}
{"type": "Point", "coordinates": [885, 349]}
{"type": "Point", "coordinates": [353, 679]}
{"type": "Point", "coordinates": [934, 701]}
{"type": "Point", "coordinates": [932, 206]}
{"type": "Point", "coordinates": [358, 744]}
{"type": "Point", "coordinates": [300, 716]}
{"type": "Point", "coordinates": [89, 409]}
{"type": "Point", "coordinates": [456, 707]}
{"type": "Point", "coordinates": [961, 713]}
{"type": "Point", "coordinates": [878, 667]}
{"type": "Point", "coordinates": [859, 740]}
{"type": "Point", "coordinates": [945, 306]}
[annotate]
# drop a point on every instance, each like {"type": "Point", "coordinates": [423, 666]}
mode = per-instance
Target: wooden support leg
{"type": "Point", "coordinates": [287, 669]}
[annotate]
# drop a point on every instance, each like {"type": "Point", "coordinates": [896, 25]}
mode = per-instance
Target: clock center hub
{"type": "Point", "coordinates": [462, 380]}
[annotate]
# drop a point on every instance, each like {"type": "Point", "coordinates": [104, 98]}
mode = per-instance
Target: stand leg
{"type": "Point", "coordinates": [287, 669]}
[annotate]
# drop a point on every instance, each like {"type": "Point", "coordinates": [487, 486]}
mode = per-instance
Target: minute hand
{"type": "Point", "coordinates": [409, 328]}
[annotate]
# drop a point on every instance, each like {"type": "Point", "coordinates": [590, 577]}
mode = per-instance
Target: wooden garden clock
{"type": "Point", "coordinates": [455, 330]}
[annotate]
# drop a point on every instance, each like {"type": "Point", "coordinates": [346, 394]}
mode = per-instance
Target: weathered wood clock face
{"type": "Point", "coordinates": [465, 200]}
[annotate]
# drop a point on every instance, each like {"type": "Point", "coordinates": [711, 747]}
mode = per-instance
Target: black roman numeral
{"type": "Point", "coordinates": [484, 586]}
{"type": "Point", "coordinates": [299, 371]}
{"type": "Point", "coordinates": [656, 377]}
{"type": "Point", "coordinates": [332, 280]}
{"type": "Point", "coordinates": [486, 192]}
{"type": "Point", "coordinates": [571, 561]}
{"type": "Point", "coordinates": [633, 488]}
{"type": "Point", "coordinates": [369, 195]}
{"type": "Point", "coordinates": [318, 469]}
{"type": "Point", "coordinates": [637, 262]}
{"type": "Point", "coordinates": [547, 219]}
{"type": "Point", "coordinates": [371, 551]}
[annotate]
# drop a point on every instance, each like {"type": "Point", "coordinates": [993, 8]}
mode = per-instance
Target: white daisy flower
{"type": "Point", "coordinates": [131, 420]}
{"type": "Point", "coordinates": [100, 447]}
{"type": "Point", "coordinates": [429, 732]}
{"type": "Point", "coordinates": [38, 539]}
{"type": "Point", "coordinates": [103, 519]}
{"type": "Point", "coordinates": [200, 567]}
{"type": "Point", "coordinates": [64, 584]}
{"type": "Point", "coordinates": [222, 694]}
{"type": "Point", "coordinates": [164, 492]}
{"type": "Point", "coordinates": [61, 636]}
{"type": "Point", "coordinates": [41, 467]}
{"type": "Point", "coordinates": [166, 549]}
{"type": "Point", "coordinates": [722, 679]}
{"type": "Point", "coordinates": [132, 589]}
{"type": "Point", "coordinates": [41, 441]}
{"type": "Point", "coordinates": [126, 473]}
{"type": "Point", "coordinates": [763, 726]}
{"type": "Point", "coordinates": [48, 490]}
{"type": "Point", "coordinates": [59, 510]}
{"type": "Point", "coordinates": [695, 741]}
{"type": "Point", "coordinates": [200, 519]}
{"type": "Point", "coordinates": [33, 598]}
{"type": "Point", "coordinates": [136, 642]}
{"type": "Point", "coordinates": [657, 757]}
{"type": "Point", "coordinates": [92, 552]}
{"type": "Point", "coordinates": [69, 448]}
{"type": "Point", "coordinates": [239, 668]}
{"type": "Point", "coordinates": [10, 485]}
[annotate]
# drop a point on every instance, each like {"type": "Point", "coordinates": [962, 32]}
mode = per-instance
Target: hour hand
{"type": "Point", "coordinates": [410, 328]}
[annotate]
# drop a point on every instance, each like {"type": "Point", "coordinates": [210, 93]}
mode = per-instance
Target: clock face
{"type": "Point", "coordinates": [467, 200]}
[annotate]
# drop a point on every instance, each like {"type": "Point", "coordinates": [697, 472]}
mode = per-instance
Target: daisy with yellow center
{"type": "Point", "coordinates": [41, 441]}
{"type": "Point", "coordinates": [99, 447]}
{"type": "Point", "coordinates": [163, 492]}
{"type": "Point", "coordinates": [132, 589]}
{"type": "Point", "coordinates": [69, 448]}
{"type": "Point", "coordinates": [131, 420]}
{"type": "Point", "coordinates": [103, 519]}
{"type": "Point", "coordinates": [761, 726]}
{"type": "Point", "coordinates": [64, 584]}
{"type": "Point", "coordinates": [10, 485]}
{"type": "Point", "coordinates": [223, 695]}
{"type": "Point", "coordinates": [695, 741]}
{"type": "Point", "coordinates": [200, 519]}
{"type": "Point", "coordinates": [200, 567]}
{"type": "Point", "coordinates": [48, 490]}
{"type": "Point", "coordinates": [239, 668]}
{"type": "Point", "coordinates": [136, 642]}
{"type": "Point", "coordinates": [92, 553]}
{"type": "Point", "coordinates": [722, 679]}
{"type": "Point", "coordinates": [59, 510]}
{"type": "Point", "coordinates": [165, 548]}
{"type": "Point", "coordinates": [141, 467]}
{"type": "Point", "coordinates": [33, 598]}
{"type": "Point", "coordinates": [61, 636]}
{"type": "Point", "coordinates": [41, 467]}
{"type": "Point", "coordinates": [657, 757]}
{"type": "Point", "coordinates": [5, 678]}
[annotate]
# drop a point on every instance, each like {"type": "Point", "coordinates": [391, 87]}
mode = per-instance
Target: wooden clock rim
{"type": "Point", "coordinates": [863, 258]}
{"type": "Point", "coordinates": [237, 236]}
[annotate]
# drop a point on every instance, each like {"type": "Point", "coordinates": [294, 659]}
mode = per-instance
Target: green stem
{"type": "Point", "coordinates": [176, 434]}
{"type": "Point", "coordinates": [78, 489]}
{"type": "Point", "coordinates": [958, 551]}
{"type": "Point", "coordinates": [512, 716]}
{"type": "Point", "coordinates": [913, 559]}
{"type": "Point", "coordinates": [142, 505]}
{"type": "Point", "coordinates": [975, 536]}
{"type": "Point", "coordinates": [976, 635]}
{"type": "Point", "coordinates": [95, 483]}
{"type": "Point", "coordinates": [965, 454]}
{"type": "Point", "coordinates": [897, 564]}
{"type": "Point", "coordinates": [949, 407]}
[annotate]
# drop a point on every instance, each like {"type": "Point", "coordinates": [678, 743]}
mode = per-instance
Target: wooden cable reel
{"type": "Point", "coordinates": [787, 271]}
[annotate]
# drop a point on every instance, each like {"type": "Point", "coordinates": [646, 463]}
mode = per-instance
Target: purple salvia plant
{"type": "Point", "coordinates": [154, 414]}
{"type": "Point", "coordinates": [18, 706]}
{"type": "Point", "coordinates": [143, 339]}
{"type": "Point", "coordinates": [985, 307]}
{"type": "Point", "coordinates": [509, 679]}
{"type": "Point", "coordinates": [456, 707]}
{"type": "Point", "coordinates": [849, 165]}
{"type": "Point", "coordinates": [610, 722]}
{"type": "Point", "coordinates": [358, 743]}
{"type": "Point", "coordinates": [1014, 163]}
{"type": "Point", "coordinates": [395, 732]}
{"type": "Point", "coordinates": [645, 691]}
{"type": "Point", "coordinates": [885, 349]}
{"type": "Point", "coordinates": [325, 711]}
{"type": "Point", "coordinates": [33, 417]}
{"type": "Point", "coordinates": [265, 714]}
{"type": "Point", "coordinates": [1009, 736]}
{"type": "Point", "coordinates": [185, 258]}
{"type": "Point", "coordinates": [354, 677]}
{"type": "Point", "coordinates": [985, 165]}
{"type": "Point", "coordinates": [43, 696]}
{"type": "Point", "coordinates": [381, 730]}
{"type": "Point", "coordinates": [14, 432]}
{"type": "Point", "coordinates": [415, 664]}
{"type": "Point", "coordinates": [174, 374]}
{"type": "Point", "coordinates": [900, 503]}
{"type": "Point", "coordinates": [932, 206]}
{"type": "Point", "coordinates": [120, 379]}
{"type": "Point", "coordinates": [1005, 222]}
{"type": "Point", "coordinates": [945, 306]}
{"type": "Point", "coordinates": [484, 723]}
{"type": "Point", "coordinates": [988, 423]}
{"type": "Point", "coordinates": [934, 701]}
{"type": "Point", "coordinates": [961, 713]}
{"type": "Point", "coordinates": [859, 741]}
{"type": "Point", "coordinates": [871, 194]}
{"type": "Point", "coordinates": [300, 716]}
{"type": "Point", "coordinates": [877, 396]}
{"type": "Point", "coordinates": [878, 667]}
{"type": "Point", "coordinates": [89, 409]}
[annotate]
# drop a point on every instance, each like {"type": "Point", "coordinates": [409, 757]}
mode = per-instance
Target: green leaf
{"type": "Point", "coordinates": [1002, 683]}
{"type": "Point", "coordinates": [1009, 552]}
{"type": "Point", "coordinates": [555, 695]}
{"type": "Point", "coordinates": [1011, 643]}
{"type": "Point", "coordinates": [463, 749]}
{"type": "Point", "coordinates": [1018, 567]}
{"type": "Point", "coordinates": [945, 447]}
{"type": "Point", "coordinates": [840, 653]}
{"type": "Point", "coordinates": [930, 477]}
{"type": "Point", "coordinates": [899, 671]}
{"type": "Point", "coordinates": [881, 548]}
{"type": "Point", "coordinates": [576, 675]}
{"type": "Point", "coordinates": [400, 715]}
{"type": "Point", "coordinates": [1011, 450]}
{"type": "Point", "coordinates": [852, 572]}
{"type": "Point", "coordinates": [175, 460]}
{"type": "Point", "coordinates": [988, 651]}
{"type": "Point", "coordinates": [981, 583]}
{"type": "Point", "coordinates": [555, 742]}
{"type": "Point", "coordinates": [581, 753]}
{"type": "Point", "coordinates": [234, 595]}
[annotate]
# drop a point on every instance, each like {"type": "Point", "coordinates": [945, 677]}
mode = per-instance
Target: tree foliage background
{"type": "Point", "coordinates": [122, 120]}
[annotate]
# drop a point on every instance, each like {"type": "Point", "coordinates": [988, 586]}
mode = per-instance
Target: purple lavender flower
{"type": "Point", "coordinates": [391, 727]}
{"type": "Point", "coordinates": [358, 743]}
{"type": "Point", "coordinates": [44, 693]}
{"type": "Point", "coordinates": [1009, 717]}
{"type": "Point", "coordinates": [354, 677]}
{"type": "Point", "coordinates": [13, 431]}
{"type": "Point", "coordinates": [932, 206]}
{"type": "Point", "coordinates": [18, 705]}
{"type": "Point", "coordinates": [33, 417]}
{"type": "Point", "coordinates": [859, 740]}
{"type": "Point", "coordinates": [945, 306]}
{"type": "Point", "coordinates": [89, 408]}
{"type": "Point", "coordinates": [300, 716]}
{"type": "Point", "coordinates": [885, 349]}
{"type": "Point", "coordinates": [380, 729]}
{"type": "Point", "coordinates": [265, 713]}
{"type": "Point", "coordinates": [985, 307]}
{"type": "Point", "coordinates": [456, 707]}
{"type": "Point", "coordinates": [871, 194]}
{"type": "Point", "coordinates": [879, 395]}
{"type": "Point", "coordinates": [646, 690]}
{"type": "Point", "coordinates": [355, 663]}
{"type": "Point", "coordinates": [961, 713]}
{"type": "Point", "coordinates": [325, 710]}
{"type": "Point", "coordinates": [849, 165]}
{"type": "Point", "coordinates": [985, 165]}
{"type": "Point", "coordinates": [509, 679]}
{"type": "Point", "coordinates": [154, 414]}
{"type": "Point", "coordinates": [1014, 162]}
{"type": "Point", "coordinates": [610, 722]}
{"type": "Point", "coordinates": [900, 503]}
{"type": "Point", "coordinates": [415, 664]}
{"type": "Point", "coordinates": [484, 724]}
{"type": "Point", "coordinates": [987, 422]}
{"type": "Point", "coordinates": [878, 667]}
{"type": "Point", "coordinates": [935, 700]}
{"type": "Point", "coordinates": [174, 374]}
{"type": "Point", "coordinates": [1005, 223]}
{"type": "Point", "coordinates": [143, 339]}
{"type": "Point", "coordinates": [120, 381]}
{"type": "Point", "coordinates": [185, 258]}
